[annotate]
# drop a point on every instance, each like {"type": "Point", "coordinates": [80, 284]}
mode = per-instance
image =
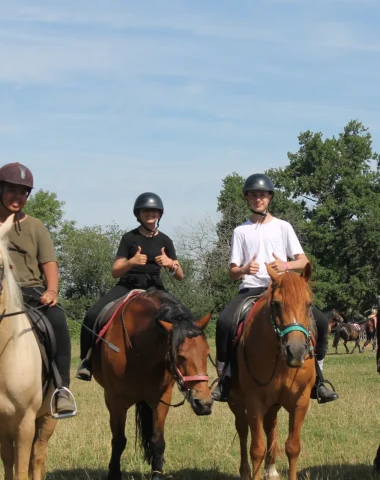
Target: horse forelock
{"type": "Point", "coordinates": [294, 290]}
{"type": "Point", "coordinates": [182, 319]}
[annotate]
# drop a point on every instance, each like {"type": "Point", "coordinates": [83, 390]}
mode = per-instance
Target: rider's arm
{"type": "Point", "coordinates": [300, 261]}
{"type": "Point", "coordinates": [237, 272]}
{"type": "Point", "coordinates": [120, 266]}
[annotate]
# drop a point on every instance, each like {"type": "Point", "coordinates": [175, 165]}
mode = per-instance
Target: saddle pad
{"type": "Point", "coordinates": [356, 327]}
{"type": "Point", "coordinates": [113, 308]}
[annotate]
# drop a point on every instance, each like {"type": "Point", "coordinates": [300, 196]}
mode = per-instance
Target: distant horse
{"type": "Point", "coordinates": [349, 332]}
{"type": "Point", "coordinates": [370, 333]}
{"type": "Point", "coordinates": [276, 370]}
{"type": "Point", "coordinates": [25, 421]}
{"type": "Point", "coordinates": [160, 344]}
{"type": "Point", "coordinates": [333, 317]}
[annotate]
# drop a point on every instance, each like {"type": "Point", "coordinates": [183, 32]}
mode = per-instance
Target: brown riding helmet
{"type": "Point", "coordinates": [17, 174]}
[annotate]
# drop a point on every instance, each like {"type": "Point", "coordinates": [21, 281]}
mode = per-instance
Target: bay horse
{"type": "Point", "coordinates": [349, 332]}
{"type": "Point", "coordinates": [160, 344]}
{"type": "Point", "coordinates": [333, 317]}
{"type": "Point", "coordinates": [377, 458]}
{"type": "Point", "coordinates": [25, 421]}
{"type": "Point", "coordinates": [275, 369]}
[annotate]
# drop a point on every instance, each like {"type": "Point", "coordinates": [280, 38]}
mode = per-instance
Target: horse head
{"type": "Point", "coordinates": [290, 305]}
{"type": "Point", "coordinates": [188, 355]}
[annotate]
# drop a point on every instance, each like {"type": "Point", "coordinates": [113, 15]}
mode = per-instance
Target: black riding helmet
{"type": "Point", "coordinates": [258, 181]}
{"type": "Point", "coordinates": [147, 200]}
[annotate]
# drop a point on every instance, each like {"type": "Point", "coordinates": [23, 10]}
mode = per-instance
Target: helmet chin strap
{"type": "Point", "coordinates": [261, 214]}
{"type": "Point", "coordinates": [151, 230]}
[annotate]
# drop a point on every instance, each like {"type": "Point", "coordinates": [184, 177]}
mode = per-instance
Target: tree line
{"type": "Point", "coordinates": [329, 191]}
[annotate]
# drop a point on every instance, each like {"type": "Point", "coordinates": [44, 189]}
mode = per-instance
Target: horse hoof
{"type": "Point", "coordinates": [114, 476]}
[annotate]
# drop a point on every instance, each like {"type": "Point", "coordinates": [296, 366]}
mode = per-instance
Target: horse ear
{"type": "Point", "coordinates": [272, 273]}
{"type": "Point", "coordinates": [203, 322]}
{"type": "Point", "coordinates": [6, 226]}
{"type": "Point", "coordinates": [166, 325]}
{"type": "Point", "coordinates": [306, 272]}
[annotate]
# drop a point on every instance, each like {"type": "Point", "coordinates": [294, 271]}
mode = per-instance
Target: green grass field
{"type": "Point", "coordinates": [339, 440]}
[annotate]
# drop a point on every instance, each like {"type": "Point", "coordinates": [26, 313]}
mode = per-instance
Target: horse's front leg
{"type": "Point", "coordinates": [23, 444]}
{"type": "Point", "coordinates": [293, 442]}
{"type": "Point", "coordinates": [270, 428]}
{"type": "Point", "coordinates": [157, 441]}
{"type": "Point", "coordinates": [118, 416]}
{"type": "Point", "coordinates": [345, 346]}
{"type": "Point", "coordinates": [255, 417]}
{"type": "Point", "coordinates": [237, 406]}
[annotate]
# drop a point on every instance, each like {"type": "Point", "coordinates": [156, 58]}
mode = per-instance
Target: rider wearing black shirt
{"type": "Point", "coordinates": [141, 254]}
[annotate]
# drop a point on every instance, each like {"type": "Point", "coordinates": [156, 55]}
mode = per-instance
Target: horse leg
{"type": "Point", "coordinates": [293, 442]}
{"type": "Point", "coordinates": [23, 444]}
{"type": "Point", "coordinates": [270, 428]}
{"type": "Point", "coordinates": [118, 416]}
{"type": "Point", "coordinates": [255, 418]}
{"type": "Point", "coordinates": [45, 426]}
{"type": "Point", "coordinates": [345, 346]}
{"type": "Point", "coordinates": [237, 407]}
{"type": "Point", "coordinates": [7, 456]}
{"type": "Point", "coordinates": [157, 441]}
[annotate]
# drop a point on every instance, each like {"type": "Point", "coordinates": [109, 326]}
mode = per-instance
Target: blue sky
{"type": "Point", "coordinates": [104, 100]}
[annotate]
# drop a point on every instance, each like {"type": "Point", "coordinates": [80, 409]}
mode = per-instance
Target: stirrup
{"type": "Point", "coordinates": [317, 386]}
{"type": "Point", "coordinates": [59, 416]}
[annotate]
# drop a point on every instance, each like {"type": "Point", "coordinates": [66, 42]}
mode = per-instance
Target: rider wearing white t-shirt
{"type": "Point", "coordinates": [263, 239]}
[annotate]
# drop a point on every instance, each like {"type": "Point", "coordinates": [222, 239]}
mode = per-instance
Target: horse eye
{"type": "Point", "coordinates": [181, 359]}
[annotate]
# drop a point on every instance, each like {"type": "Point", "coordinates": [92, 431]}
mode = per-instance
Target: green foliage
{"type": "Point", "coordinates": [86, 260]}
{"type": "Point", "coordinates": [334, 183]}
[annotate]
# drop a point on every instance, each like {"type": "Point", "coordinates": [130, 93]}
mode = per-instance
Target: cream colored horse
{"type": "Point", "coordinates": [25, 421]}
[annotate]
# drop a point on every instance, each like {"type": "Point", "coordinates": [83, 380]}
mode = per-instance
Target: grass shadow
{"type": "Point", "coordinates": [337, 472]}
{"type": "Point", "coordinates": [100, 474]}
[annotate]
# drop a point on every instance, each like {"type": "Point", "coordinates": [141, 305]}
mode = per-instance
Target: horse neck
{"type": "Point", "coordinates": [11, 327]}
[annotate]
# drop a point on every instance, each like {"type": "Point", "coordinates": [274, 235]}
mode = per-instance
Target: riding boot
{"type": "Point", "coordinates": [221, 391]}
{"type": "Point", "coordinates": [84, 371]}
{"type": "Point", "coordinates": [320, 392]}
{"type": "Point", "coordinates": [64, 400]}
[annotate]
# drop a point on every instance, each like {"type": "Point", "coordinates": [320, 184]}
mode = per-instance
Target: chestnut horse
{"type": "Point", "coordinates": [25, 421]}
{"type": "Point", "coordinates": [276, 369]}
{"type": "Point", "coordinates": [160, 344]}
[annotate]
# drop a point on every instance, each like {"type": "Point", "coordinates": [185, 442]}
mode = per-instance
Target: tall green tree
{"type": "Point", "coordinates": [336, 183]}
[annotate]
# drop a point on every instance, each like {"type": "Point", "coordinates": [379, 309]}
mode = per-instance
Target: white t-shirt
{"type": "Point", "coordinates": [263, 239]}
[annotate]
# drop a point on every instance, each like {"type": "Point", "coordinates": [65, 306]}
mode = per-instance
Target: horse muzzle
{"type": "Point", "coordinates": [201, 407]}
{"type": "Point", "coordinates": [295, 354]}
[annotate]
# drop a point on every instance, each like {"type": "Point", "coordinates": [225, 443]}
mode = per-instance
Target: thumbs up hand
{"type": "Point", "coordinates": [163, 260]}
{"type": "Point", "coordinates": [252, 267]}
{"type": "Point", "coordinates": [278, 265]}
{"type": "Point", "coordinates": [139, 258]}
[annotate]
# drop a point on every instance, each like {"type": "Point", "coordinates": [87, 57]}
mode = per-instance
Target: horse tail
{"type": "Point", "coordinates": [144, 429]}
{"type": "Point", "coordinates": [337, 335]}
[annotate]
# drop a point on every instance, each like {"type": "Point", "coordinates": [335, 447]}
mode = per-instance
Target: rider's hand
{"type": "Point", "coordinates": [278, 265]}
{"type": "Point", "coordinates": [252, 267]}
{"type": "Point", "coordinates": [163, 260]}
{"type": "Point", "coordinates": [139, 258]}
{"type": "Point", "coordinates": [49, 297]}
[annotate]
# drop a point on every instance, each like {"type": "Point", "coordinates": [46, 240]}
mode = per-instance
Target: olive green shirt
{"type": "Point", "coordinates": [29, 248]}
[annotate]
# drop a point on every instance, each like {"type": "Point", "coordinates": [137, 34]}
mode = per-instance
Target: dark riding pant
{"type": "Point", "coordinates": [58, 322]}
{"type": "Point", "coordinates": [224, 326]}
{"type": "Point", "coordinates": [86, 337]}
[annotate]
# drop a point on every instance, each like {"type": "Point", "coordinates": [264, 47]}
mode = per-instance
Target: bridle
{"type": "Point", "coordinates": [281, 332]}
{"type": "Point", "coordinates": [181, 380]}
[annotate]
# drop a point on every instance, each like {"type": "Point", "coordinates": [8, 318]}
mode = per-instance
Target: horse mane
{"type": "Point", "coordinates": [173, 311]}
{"type": "Point", "coordinates": [13, 298]}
